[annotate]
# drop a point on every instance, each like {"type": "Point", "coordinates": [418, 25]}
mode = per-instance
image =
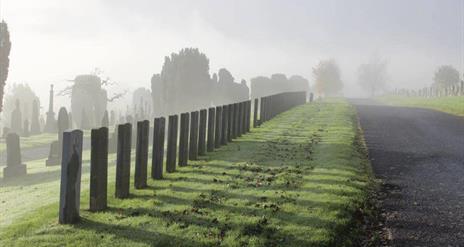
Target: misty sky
{"type": "Point", "coordinates": [54, 40]}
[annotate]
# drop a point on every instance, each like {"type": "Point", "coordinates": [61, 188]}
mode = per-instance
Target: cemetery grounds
{"type": "Point", "coordinates": [451, 104]}
{"type": "Point", "coordinates": [300, 179]}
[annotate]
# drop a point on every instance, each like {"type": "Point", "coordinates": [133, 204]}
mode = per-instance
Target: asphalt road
{"type": "Point", "coordinates": [419, 154]}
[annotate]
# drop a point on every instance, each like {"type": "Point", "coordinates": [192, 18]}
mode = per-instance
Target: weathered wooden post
{"type": "Point", "coordinates": [172, 144]}
{"type": "Point", "coordinates": [71, 168]}
{"type": "Point", "coordinates": [183, 139]}
{"type": "Point", "coordinates": [211, 119]}
{"type": "Point", "coordinates": [230, 127]}
{"type": "Point", "coordinates": [225, 124]}
{"type": "Point", "coordinates": [202, 133]}
{"type": "Point", "coordinates": [98, 169]}
{"type": "Point", "coordinates": [123, 160]}
{"type": "Point", "coordinates": [193, 144]}
{"type": "Point", "coordinates": [14, 166]}
{"type": "Point", "coordinates": [255, 114]}
{"type": "Point", "coordinates": [158, 148]}
{"type": "Point", "coordinates": [141, 154]}
{"type": "Point", "coordinates": [218, 128]}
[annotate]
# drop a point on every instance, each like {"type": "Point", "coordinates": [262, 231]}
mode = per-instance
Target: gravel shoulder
{"type": "Point", "coordinates": [419, 155]}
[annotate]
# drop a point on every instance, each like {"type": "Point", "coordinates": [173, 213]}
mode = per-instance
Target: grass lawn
{"type": "Point", "coordinates": [295, 181]}
{"type": "Point", "coordinates": [453, 105]}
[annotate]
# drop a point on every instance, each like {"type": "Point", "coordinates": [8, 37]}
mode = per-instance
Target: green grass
{"type": "Point", "coordinates": [453, 105]}
{"type": "Point", "coordinates": [296, 181]}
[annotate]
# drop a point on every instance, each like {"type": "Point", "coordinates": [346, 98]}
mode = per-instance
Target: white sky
{"type": "Point", "coordinates": [55, 40]}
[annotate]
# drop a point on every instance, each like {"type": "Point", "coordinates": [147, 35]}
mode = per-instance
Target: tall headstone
{"type": "Point", "coordinates": [211, 120]}
{"type": "Point", "coordinates": [54, 157]}
{"type": "Point", "coordinates": [240, 119]}
{"type": "Point", "coordinates": [26, 131]}
{"type": "Point", "coordinates": [183, 139]}
{"type": "Point", "coordinates": [14, 166]}
{"type": "Point", "coordinates": [202, 132]}
{"type": "Point", "coordinates": [35, 122]}
{"type": "Point", "coordinates": [16, 119]}
{"type": "Point", "coordinates": [193, 143]}
{"type": "Point", "coordinates": [50, 124]}
{"type": "Point", "coordinates": [141, 154]}
{"type": "Point", "coordinates": [123, 161]}
{"type": "Point", "coordinates": [218, 127]}
{"type": "Point", "coordinates": [255, 114]}
{"type": "Point", "coordinates": [71, 167]}
{"type": "Point", "coordinates": [236, 120]}
{"type": "Point", "coordinates": [225, 124]}
{"type": "Point", "coordinates": [172, 144]}
{"type": "Point", "coordinates": [230, 128]}
{"type": "Point", "coordinates": [105, 120]}
{"type": "Point", "coordinates": [158, 148]}
{"type": "Point", "coordinates": [98, 169]}
{"type": "Point", "coordinates": [248, 116]}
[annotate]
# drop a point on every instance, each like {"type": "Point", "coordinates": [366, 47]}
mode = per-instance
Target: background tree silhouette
{"type": "Point", "coordinates": [327, 78]}
{"type": "Point", "coordinates": [373, 76]}
{"type": "Point", "coordinates": [445, 76]}
{"type": "Point", "coordinates": [5, 47]}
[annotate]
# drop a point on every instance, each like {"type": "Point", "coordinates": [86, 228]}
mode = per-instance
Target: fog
{"type": "Point", "coordinates": [55, 40]}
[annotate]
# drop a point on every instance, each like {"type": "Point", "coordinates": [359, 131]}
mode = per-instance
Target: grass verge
{"type": "Point", "coordinates": [299, 180]}
{"type": "Point", "coordinates": [453, 105]}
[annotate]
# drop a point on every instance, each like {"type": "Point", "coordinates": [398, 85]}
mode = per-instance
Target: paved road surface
{"type": "Point", "coordinates": [420, 155]}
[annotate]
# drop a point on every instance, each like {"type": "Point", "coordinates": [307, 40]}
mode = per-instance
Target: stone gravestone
{"type": "Point", "coordinates": [202, 133]}
{"type": "Point", "coordinates": [14, 167]}
{"type": "Point", "coordinates": [211, 120]}
{"type": "Point", "coordinates": [50, 124]}
{"type": "Point", "coordinates": [123, 161]}
{"type": "Point", "coordinates": [71, 167]}
{"type": "Point", "coordinates": [54, 157]}
{"type": "Point", "coordinates": [98, 169]}
{"type": "Point", "coordinates": [230, 127]}
{"type": "Point", "coordinates": [141, 154]}
{"type": "Point", "coordinates": [225, 124]}
{"type": "Point", "coordinates": [172, 144]}
{"type": "Point", "coordinates": [26, 132]}
{"type": "Point", "coordinates": [193, 144]}
{"type": "Point", "coordinates": [35, 122]}
{"type": "Point", "coordinates": [183, 139]}
{"type": "Point", "coordinates": [16, 119]}
{"type": "Point", "coordinates": [218, 127]}
{"type": "Point", "coordinates": [311, 97]}
{"type": "Point", "coordinates": [255, 114]}
{"type": "Point", "coordinates": [105, 120]}
{"type": "Point", "coordinates": [158, 148]}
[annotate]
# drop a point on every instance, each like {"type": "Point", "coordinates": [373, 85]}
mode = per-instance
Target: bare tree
{"type": "Point", "coordinates": [373, 76]}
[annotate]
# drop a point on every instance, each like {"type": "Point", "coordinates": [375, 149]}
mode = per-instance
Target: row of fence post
{"type": "Point", "coordinates": [432, 92]}
{"type": "Point", "coordinates": [199, 132]}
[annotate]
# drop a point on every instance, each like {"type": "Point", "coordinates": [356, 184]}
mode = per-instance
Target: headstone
{"type": "Point", "coordinates": [141, 154]}
{"type": "Point", "coordinates": [183, 139]}
{"type": "Point", "coordinates": [105, 120]}
{"type": "Point", "coordinates": [54, 157]}
{"type": "Point", "coordinates": [98, 169]}
{"type": "Point", "coordinates": [123, 161]}
{"type": "Point", "coordinates": [225, 124]}
{"type": "Point", "coordinates": [26, 132]}
{"type": "Point", "coordinates": [248, 122]}
{"type": "Point", "coordinates": [211, 120]}
{"type": "Point", "coordinates": [236, 120]}
{"type": "Point", "coordinates": [193, 143]}
{"type": "Point", "coordinates": [35, 122]}
{"type": "Point", "coordinates": [158, 148]}
{"type": "Point", "coordinates": [70, 187]}
{"type": "Point", "coordinates": [202, 132]}
{"type": "Point", "coordinates": [16, 119]}
{"type": "Point", "coordinates": [218, 127]}
{"type": "Point", "coordinates": [50, 124]}
{"type": "Point", "coordinates": [14, 166]}
{"type": "Point", "coordinates": [240, 119]}
{"type": "Point", "coordinates": [261, 110]}
{"type": "Point", "coordinates": [311, 97]}
{"type": "Point", "coordinates": [172, 144]}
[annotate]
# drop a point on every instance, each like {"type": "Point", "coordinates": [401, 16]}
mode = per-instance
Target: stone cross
{"type": "Point", "coordinates": [141, 154]}
{"type": "Point", "coordinates": [202, 133]}
{"type": "Point", "coordinates": [158, 148]}
{"type": "Point", "coordinates": [123, 161]}
{"type": "Point", "coordinates": [183, 139]}
{"type": "Point", "coordinates": [172, 144]}
{"type": "Point", "coordinates": [14, 166]}
{"type": "Point", "coordinates": [98, 169]}
{"type": "Point", "coordinates": [70, 187]}
{"type": "Point", "coordinates": [193, 143]}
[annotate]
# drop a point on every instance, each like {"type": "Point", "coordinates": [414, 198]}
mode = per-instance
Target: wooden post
{"type": "Point", "coordinates": [211, 119]}
{"type": "Point", "coordinates": [158, 148]}
{"type": "Point", "coordinates": [183, 139]}
{"type": "Point", "coordinates": [202, 133]}
{"type": "Point", "coordinates": [172, 144]}
{"type": "Point", "coordinates": [218, 127]}
{"type": "Point", "coordinates": [123, 160]}
{"type": "Point", "coordinates": [141, 154]}
{"type": "Point", "coordinates": [225, 124]}
{"type": "Point", "coordinates": [193, 148]}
